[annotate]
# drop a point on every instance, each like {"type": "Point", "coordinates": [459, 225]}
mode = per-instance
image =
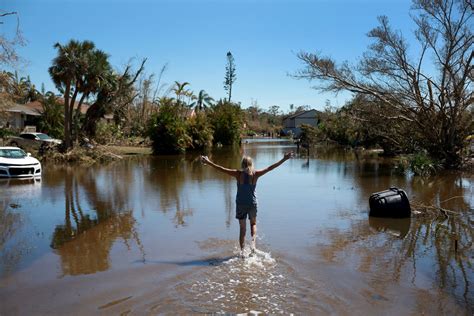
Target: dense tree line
{"type": "Point", "coordinates": [421, 109]}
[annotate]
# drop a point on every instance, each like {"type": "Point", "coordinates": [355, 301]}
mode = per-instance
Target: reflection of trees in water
{"type": "Point", "coordinates": [14, 245]}
{"type": "Point", "coordinates": [229, 157]}
{"type": "Point", "coordinates": [445, 190]}
{"type": "Point", "coordinates": [446, 243]}
{"type": "Point", "coordinates": [87, 235]}
{"type": "Point", "coordinates": [449, 241]}
{"type": "Point", "coordinates": [10, 223]}
{"type": "Point", "coordinates": [89, 252]}
{"type": "Point", "coordinates": [170, 174]}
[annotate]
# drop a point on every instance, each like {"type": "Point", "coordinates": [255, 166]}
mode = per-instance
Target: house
{"type": "Point", "coordinates": [19, 116]}
{"type": "Point", "coordinates": [292, 124]}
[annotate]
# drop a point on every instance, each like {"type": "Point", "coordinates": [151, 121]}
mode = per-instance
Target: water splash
{"type": "Point", "coordinates": [256, 283]}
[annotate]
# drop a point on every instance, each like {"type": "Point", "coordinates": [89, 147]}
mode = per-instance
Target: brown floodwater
{"type": "Point", "coordinates": [157, 235]}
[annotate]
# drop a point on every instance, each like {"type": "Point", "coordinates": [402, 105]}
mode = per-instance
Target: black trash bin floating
{"type": "Point", "coordinates": [390, 203]}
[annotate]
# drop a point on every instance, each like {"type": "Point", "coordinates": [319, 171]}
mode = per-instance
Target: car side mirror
{"type": "Point", "coordinates": [28, 154]}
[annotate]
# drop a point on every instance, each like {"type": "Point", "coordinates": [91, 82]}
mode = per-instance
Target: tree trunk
{"type": "Point", "coordinates": [67, 136]}
{"type": "Point", "coordinates": [95, 112]}
{"type": "Point", "coordinates": [77, 115]}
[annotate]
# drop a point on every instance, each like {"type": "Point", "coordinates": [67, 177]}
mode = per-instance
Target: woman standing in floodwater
{"type": "Point", "coordinates": [246, 199]}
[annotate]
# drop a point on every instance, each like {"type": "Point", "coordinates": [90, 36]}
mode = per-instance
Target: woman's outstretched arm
{"type": "Point", "coordinates": [287, 156]}
{"type": "Point", "coordinates": [231, 172]}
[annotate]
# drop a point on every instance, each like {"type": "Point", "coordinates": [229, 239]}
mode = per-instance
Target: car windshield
{"type": "Point", "coordinates": [12, 153]}
{"type": "Point", "coordinates": [43, 136]}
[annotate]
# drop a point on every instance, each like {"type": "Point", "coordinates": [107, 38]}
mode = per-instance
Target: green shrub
{"type": "Point", "coordinates": [167, 131]}
{"type": "Point", "coordinates": [226, 120]}
{"type": "Point", "coordinates": [200, 131]}
{"type": "Point", "coordinates": [4, 132]}
{"type": "Point", "coordinates": [420, 164]}
{"type": "Point", "coordinates": [250, 133]}
{"type": "Point", "coordinates": [423, 165]}
{"type": "Point", "coordinates": [108, 133]}
{"type": "Point", "coordinates": [309, 135]}
{"type": "Point", "coordinates": [52, 117]}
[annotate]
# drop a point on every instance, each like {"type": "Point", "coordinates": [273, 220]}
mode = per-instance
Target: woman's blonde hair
{"type": "Point", "coordinates": [247, 164]}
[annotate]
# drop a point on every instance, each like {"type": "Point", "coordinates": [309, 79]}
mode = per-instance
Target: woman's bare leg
{"type": "Point", "coordinates": [253, 232]}
{"type": "Point", "coordinates": [243, 228]}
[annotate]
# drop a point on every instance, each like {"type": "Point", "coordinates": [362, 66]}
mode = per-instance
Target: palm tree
{"type": "Point", "coordinates": [78, 68]}
{"type": "Point", "coordinates": [203, 101]}
{"type": "Point", "coordinates": [97, 76]}
{"type": "Point", "coordinates": [179, 90]}
{"type": "Point", "coordinates": [21, 89]}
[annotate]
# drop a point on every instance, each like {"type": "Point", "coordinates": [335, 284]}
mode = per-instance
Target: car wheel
{"type": "Point", "coordinates": [14, 144]}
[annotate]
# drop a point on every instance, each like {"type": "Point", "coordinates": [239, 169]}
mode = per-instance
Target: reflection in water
{"type": "Point", "coordinates": [171, 176]}
{"type": "Point", "coordinates": [103, 217]}
{"type": "Point", "coordinates": [397, 227]}
{"type": "Point", "coordinates": [446, 243]}
{"type": "Point", "coordinates": [13, 248]}
{"type": "Point", "coordinates": [89, 253]}
{"type": "Point", "coordinates": [168, 175]}
{"type": "Point", "coordinates": [84, 241]}
{"type": "Point", "coordinates": [10, 222]}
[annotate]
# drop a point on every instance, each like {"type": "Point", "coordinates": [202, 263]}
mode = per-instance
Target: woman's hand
{"type": "Point", "coordinates": [205, 160]}
{"type": "Point", "coordinates": [289, 155]}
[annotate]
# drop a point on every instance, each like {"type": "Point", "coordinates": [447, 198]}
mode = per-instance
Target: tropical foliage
{"type": "Point", "coordinates": [420, 164]}
{"type": "Point", "coordinates": [200, 131]}
{"type": "Point", "coordinates": [168, 132]}
{"type": "Point", "coordinates": [52, 116]}
{"type": "Point", "coordinates": [227, 121]}
{"type": "Point", "coordinates": [78, 70]}
{"type": "Point", "coordinates": [203, 101]}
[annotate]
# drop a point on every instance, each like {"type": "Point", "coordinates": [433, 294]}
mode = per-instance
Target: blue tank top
{"type": "Point", "coordinates": [246, 194]}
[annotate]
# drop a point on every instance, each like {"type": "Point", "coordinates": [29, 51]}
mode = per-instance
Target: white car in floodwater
{"type": "Point", "coordinates": [15, 163]}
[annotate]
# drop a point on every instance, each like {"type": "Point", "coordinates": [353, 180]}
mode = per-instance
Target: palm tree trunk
{"type": "Point", "coordinates": [77, 115]}
{"type": "Point", "coordinates": [67, 136]}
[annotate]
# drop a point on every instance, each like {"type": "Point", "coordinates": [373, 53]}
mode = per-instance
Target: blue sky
{"type": "Point", "coordinates": [193, 37]}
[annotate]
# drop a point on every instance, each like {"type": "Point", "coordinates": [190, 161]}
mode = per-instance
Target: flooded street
{"type": "Point", "coordinates": [150, 235]}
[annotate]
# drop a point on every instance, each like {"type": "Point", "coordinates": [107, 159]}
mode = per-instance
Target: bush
{"type": "Point", "coordinates": [309, 135]}
{"type": "Point", "coordinates": [423, 165]}
{"type": "Point", "coordinates": [200, 131]}
{"type": "Point", "coordinates": [227, 122]}
{"type": "Point", "coordinates": [108, 133]}
{"type": "Point", "coordinates": [167, 131]}
{"type": "Point", "coordinates": [4, 132]}
{"type": "Point", "coordinates": [250, 133]}
{"type": "Point", "coordinates": [420, 164]}
{"type": "Point", "coordinates": [52, 116]}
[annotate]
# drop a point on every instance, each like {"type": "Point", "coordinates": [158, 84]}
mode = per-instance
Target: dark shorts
{"type": "Point", "coordinates": [242, 211]}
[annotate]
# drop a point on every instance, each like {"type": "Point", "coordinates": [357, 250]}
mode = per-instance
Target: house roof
{"type": "Point", "coordinates": [301, 113]}
{"type": "Point", "coordinates": [23, 109]}
{"type": "Point", "coordinates": [35, 108]}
